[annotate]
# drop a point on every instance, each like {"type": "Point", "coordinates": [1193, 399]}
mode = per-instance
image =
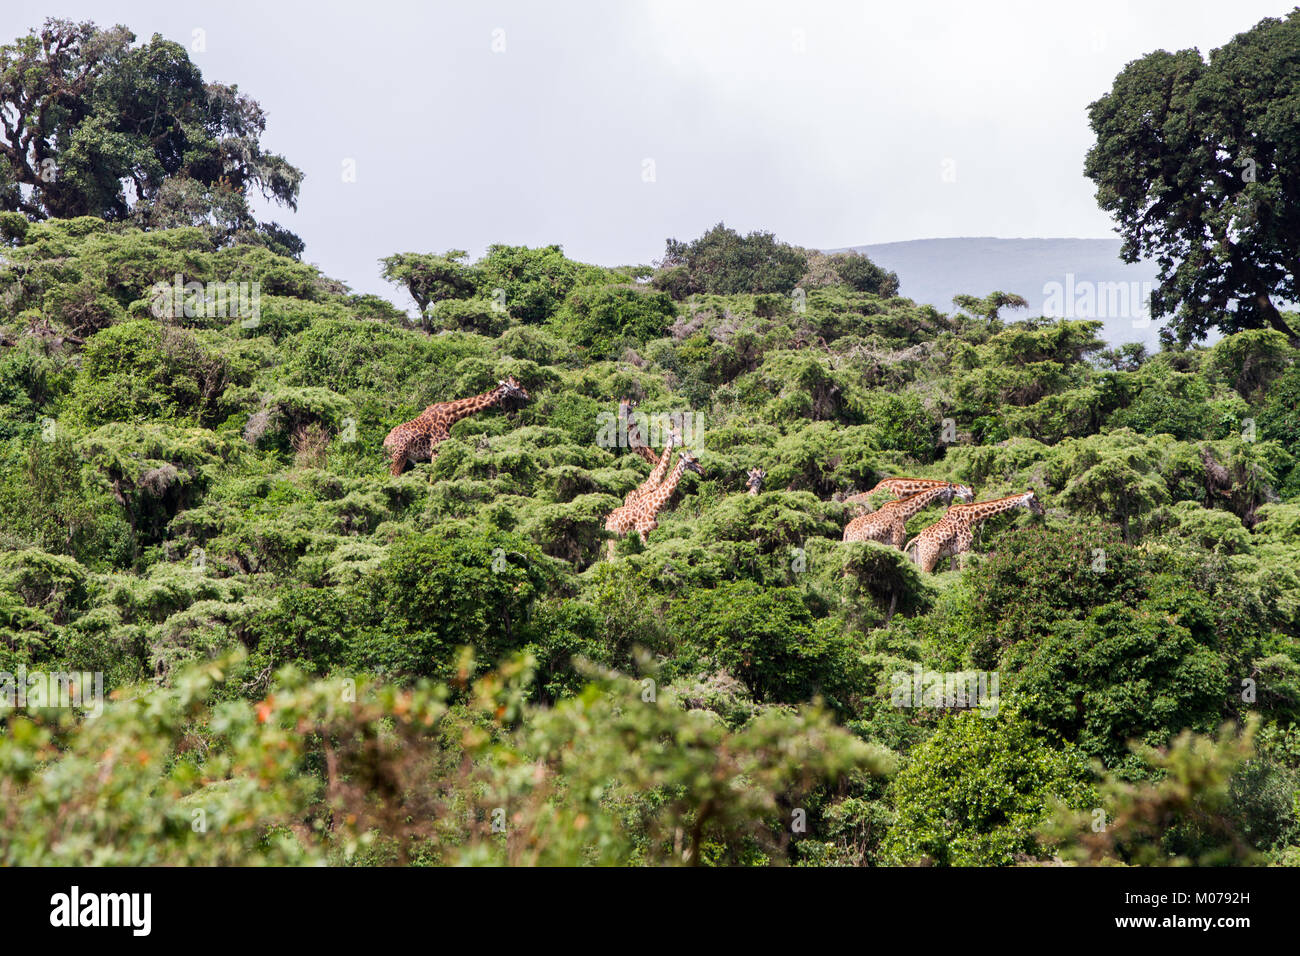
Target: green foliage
{"type": "Point", "coordinates": [1250, 361]}
{"type": "Point", "coordinates": [1187, 816]}
{"type": "Point", "coordinates": [245, 792]}
{"type": "Point", "coordinates": [1040, 577]}
{"type": "Point", "coordinates": [1187, 151]}
{"type": "Point", "coordinates": [1129, 673]}
{"type": "Point", "coordinates": [974, 792]}
{"type": "Point", "coordinates": [92, 113]}
{"type": "Point", "coordinates": [533, 282]}
{"type": "Point", "coordinates": [767, 638]}
{"type": "Point", "coordinates": [852, 269]}
{"type": "Point", "coordinates": [606, 319]}
{"type": "Point", "coordinates": [723, 262]}
{"type": "Point", "coordinates": [138, 371]}
{"type": "Point", "coordinates": [178, 486]}
{"type": "Point", "coordinates": [431, 279]}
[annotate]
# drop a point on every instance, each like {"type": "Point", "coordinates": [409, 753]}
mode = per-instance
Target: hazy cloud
{"type": "Point", "coordinates": [609, 127]}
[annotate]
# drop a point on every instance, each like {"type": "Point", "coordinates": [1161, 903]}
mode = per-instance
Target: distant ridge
{"type": "Point", "coordinates": [1078, 278]}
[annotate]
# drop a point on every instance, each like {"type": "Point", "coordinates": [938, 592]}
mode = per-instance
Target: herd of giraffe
{"type": "Point", "coordinates": [642, 505]}
{"type": "Point", "coordinates": [951, 535]}
{"type": "Point", "coordinates": [948, 537]}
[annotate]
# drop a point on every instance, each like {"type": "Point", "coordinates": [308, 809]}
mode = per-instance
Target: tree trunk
{"type": "Point", "coordinates": [1274, 317]}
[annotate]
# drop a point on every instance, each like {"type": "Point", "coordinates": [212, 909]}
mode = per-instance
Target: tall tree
{"type": "Point", "coordinates": [431, 278]}
{"type": "Point", "coordinates": [92, 125]}
{"type": "Point", "coordinates": [1199, 163]}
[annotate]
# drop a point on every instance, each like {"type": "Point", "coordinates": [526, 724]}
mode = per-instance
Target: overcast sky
{"type": "Point", "coordinates": [607, 127]}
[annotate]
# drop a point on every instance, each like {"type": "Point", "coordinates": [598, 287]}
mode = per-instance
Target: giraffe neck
{"type": "Point", "coordinates": [632, 426]}
{"type": "Point", "coordinates": [656, 499]}
{"type": "Point", "coordinates": [661, 469]}
{"type": "Point", "coordinates": [913, 504]}
{"type": "Point", "coordinates": [632, 430]}
{"type": "Point", "coordinates": [909, 486]}
{"type": "Point", "coordinates": [464, 407]}
{"type": "Point", "coordinates": [975, 513]}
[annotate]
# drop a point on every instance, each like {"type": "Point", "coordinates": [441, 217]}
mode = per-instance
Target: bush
{"type": "Point", "coordinates": [723, 262]}
{"type": "Point", "coordinates": [607, 319]}
{"type": "Point", "coordinates": [140, 370]}
{"type": "Point", "coordinates": [765, 637]}
{"type": "Point", "coordinates": [976, 790]}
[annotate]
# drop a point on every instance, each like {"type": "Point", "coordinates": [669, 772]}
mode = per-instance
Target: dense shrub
{"type": "Point", "coordinates": [177, 488]}
{"type": "Point", "coordinates": [976, 790]}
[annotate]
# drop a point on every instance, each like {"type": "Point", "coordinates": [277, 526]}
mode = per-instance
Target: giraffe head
{"type": "Point", "coordinates": [754, 480]}
{"type": "Point", "coordinates": [964, 492]}
{"type": "Point", "coordinates": [690, 462]}
{"type": "Point", "coordinates": [511, 389]}
{"type": "Point", "coordinates": [1033, 504]}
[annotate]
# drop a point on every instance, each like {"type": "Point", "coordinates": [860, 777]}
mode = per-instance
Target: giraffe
{"type": "Point", "coordinates": [640, 515]}
{"type": "Point", "coordinates": [634, 439]}
{"type": "Point", "coordinates": [754, 480]}
{"type": "Point", "coordinates": [660, 469]}
{"type": "Point", "coordinates": [888, 525]}
{"type": "Point", "coordinates": [952, 534]}
{"type": "Point", "coordinates": [417, 439]}
{"type": "Point", "coordinates": [902, 487]}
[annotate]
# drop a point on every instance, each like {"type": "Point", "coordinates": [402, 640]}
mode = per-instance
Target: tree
{"type": "Point", "coordinates": [974, 793]}
{"type": "Point", "coordinates": [92, 126]}
{"type": "Point", "coordinates": [723, 262]}
{"type": "Point", "coordinates": [989, 306]}
{"type": "Point", "coordinates": [606, 319]}
{"type": "Point", "coordinates": [765, 637]}
{"type": "Point", "coordinates": [1251, 361]}
{"type": "Point", "coordinates": [1116, 489]}
{"type": "Point", "coordinates": [1126, 673]}
{"type": "Point", "coordinates": [1129, 357]}
{"type": "Point", "coordinates": [1197, 163]}
{"type": "Point", "coordinates": [533, 282]}
{"type": "Point", "coordinates": [430, 278]}
{"type": "Point", "coordinates": [1189, 816]}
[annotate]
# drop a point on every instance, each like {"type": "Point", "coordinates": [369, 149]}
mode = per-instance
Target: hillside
{"type": "Point", "coordinates": [335, 663]}
{"type": "Point", "coordinates": [935, 270]}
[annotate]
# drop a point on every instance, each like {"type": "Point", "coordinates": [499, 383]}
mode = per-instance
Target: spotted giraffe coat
{"type": "Point", "coordinates": [417, 440]}
{"type": "Point", "coordinates": [952, 534]}
{"type": "Point", "coordinates": [888, 524]}
{"type": "Point", "coordinates": [902, 488]}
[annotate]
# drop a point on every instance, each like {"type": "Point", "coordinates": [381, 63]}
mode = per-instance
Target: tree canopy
{"type": "Point", "coordinates": [92, 125]}
{"type": "Point", "coordinates": [1197, 159]}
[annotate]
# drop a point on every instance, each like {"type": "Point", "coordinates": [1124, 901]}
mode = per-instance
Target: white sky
{"type": "Point", "coordinates": [828, 123]}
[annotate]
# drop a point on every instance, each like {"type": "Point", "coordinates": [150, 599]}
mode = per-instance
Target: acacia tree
{"type": "Point", "coordinates": [91, 125]}
{"type": "Point", "coordinates": [988, 307]}
{"type": "Point", "coordinates": [1199, 163]}
{"type": "Point", "coordinates": [431, 278]}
